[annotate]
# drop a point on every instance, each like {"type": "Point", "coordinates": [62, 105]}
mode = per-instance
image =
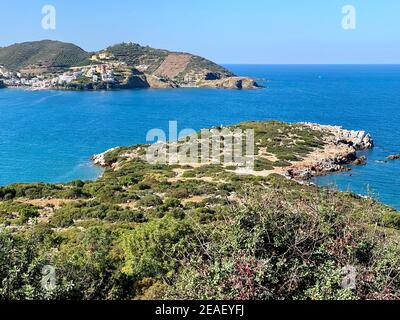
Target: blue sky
{"type": "Point", "coordinates": [226, 31]}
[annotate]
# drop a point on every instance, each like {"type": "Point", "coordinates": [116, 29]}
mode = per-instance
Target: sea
{"type": "Point", "coordinates": [50, 136]}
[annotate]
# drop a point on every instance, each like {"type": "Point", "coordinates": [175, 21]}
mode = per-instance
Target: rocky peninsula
{"type": "Point", "coordinates": [297, 151]}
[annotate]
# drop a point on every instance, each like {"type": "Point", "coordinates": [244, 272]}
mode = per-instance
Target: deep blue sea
{"type": "Point", "coordinates": [50, 135]}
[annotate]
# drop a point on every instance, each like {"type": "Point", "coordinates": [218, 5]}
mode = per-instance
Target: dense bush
{"type": "Point", "coordinates": [21, 212]}
{"type": "Point", "coordinates": [154, 249]}
{"type": "Point", "coordinates": [32, 191]}
{"type": "Point", "coordinates": [277, 245]}
{"type": "Point", "coordinates": [21, 270]}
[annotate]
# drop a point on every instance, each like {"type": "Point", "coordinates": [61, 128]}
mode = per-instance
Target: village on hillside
{"type": "Point", "coordinates": [103, 68]}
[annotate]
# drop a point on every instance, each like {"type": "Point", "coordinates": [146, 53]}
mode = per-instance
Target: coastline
{"type": "Point", "coordinates": [375, 177]}
{"type": "Point", "coordinates": [340, 150]}
{"type": "Point", "coordinates": [230, 83]}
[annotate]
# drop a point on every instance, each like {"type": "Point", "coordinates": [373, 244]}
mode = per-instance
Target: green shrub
{"type": "Point", "coordinates": [292, 243]}
{"type": "Point", "coordinates": [150, 201]}
{"type": "Point", "coordinates": [154, 249]}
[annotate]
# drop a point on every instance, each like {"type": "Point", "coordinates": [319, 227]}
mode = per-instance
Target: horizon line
{"type": "Point", "coordinates": [310, 64]}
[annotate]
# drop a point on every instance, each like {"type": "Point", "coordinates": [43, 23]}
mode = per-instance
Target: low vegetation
{"type": "Point", "coordinates": [147, 231]}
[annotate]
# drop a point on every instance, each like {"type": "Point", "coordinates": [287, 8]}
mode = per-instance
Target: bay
{"type": "Point", "coordinates": [49, 136]}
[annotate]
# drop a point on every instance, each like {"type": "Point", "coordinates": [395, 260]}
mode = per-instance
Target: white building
{"type": "Point", "coordinates": [65, 79]}
{"type": "Point", "coordinates": [77, 74]}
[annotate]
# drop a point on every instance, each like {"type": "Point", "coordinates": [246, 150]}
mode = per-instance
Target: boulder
{"type": "Point", "coordinates": [100, 159]}
{"type": "Point", "coordinates": [231, 83]}
{"type": "Point", "coordinates": [136, 81]}
{"type": "Point", "coordinates": [360, 161]}
{"type": "Point", "coordinates": [394, 156]}
{"type": "Point", "coordinates": [160, 83]}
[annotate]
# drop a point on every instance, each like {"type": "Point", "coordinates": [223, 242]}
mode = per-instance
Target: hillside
{"type": "Point", "coordinates": [154, 231]}
{"type": "Point", "coordinates": [42, 54]}
{"type": "Point", "coordinates": [122, 66]}
{"type": "Point", "coordinates": [178, 66]}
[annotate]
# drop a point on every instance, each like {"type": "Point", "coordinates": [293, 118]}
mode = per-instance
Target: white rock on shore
{"type": "Point", "coordinates": [100, 159]}
{"type": "Point", "coordinates": [359, 139]}
{"type": "Point", "coordinates": [341, 148]}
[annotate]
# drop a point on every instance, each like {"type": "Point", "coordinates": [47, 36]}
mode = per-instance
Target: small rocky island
{"type": "Point", "coordinates": [57, 65]}
{"type": "Point", "coordinates": [297, 151]}
{"type": "Point", "coordinates": [394, 156]}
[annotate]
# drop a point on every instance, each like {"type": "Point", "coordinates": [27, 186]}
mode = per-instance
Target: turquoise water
{"type": "Point", "coordinates": [49, 136]}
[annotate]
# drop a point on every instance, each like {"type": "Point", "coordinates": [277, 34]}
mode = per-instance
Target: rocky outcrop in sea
{"type": "Point", "coordinates": [340, 149]}
{"type": "Point", "coordinates": [100, 159]}
{"type": "Point", "coordinates": [394, 156]}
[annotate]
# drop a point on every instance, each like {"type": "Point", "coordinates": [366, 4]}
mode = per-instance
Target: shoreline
{"type": "Point", "coordinates": [340, 151]}
{"type": "Point", "coordinates": [231, 83]}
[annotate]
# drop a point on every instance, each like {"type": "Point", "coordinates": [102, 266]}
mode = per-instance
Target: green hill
{"type": "Point", "coordinates": [134, 54]}
{"type": "Point", "coordinates": [42, 54]}
{"type": "Point", "coordinates": [53, 54]}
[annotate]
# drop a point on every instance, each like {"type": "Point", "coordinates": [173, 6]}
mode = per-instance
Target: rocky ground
{"type": "Point", "coordinates": [340, 149]}
{"type": "Point", "coordinates": [394, 156]}
{"type": "Point", "coordinates": [231, 83]}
